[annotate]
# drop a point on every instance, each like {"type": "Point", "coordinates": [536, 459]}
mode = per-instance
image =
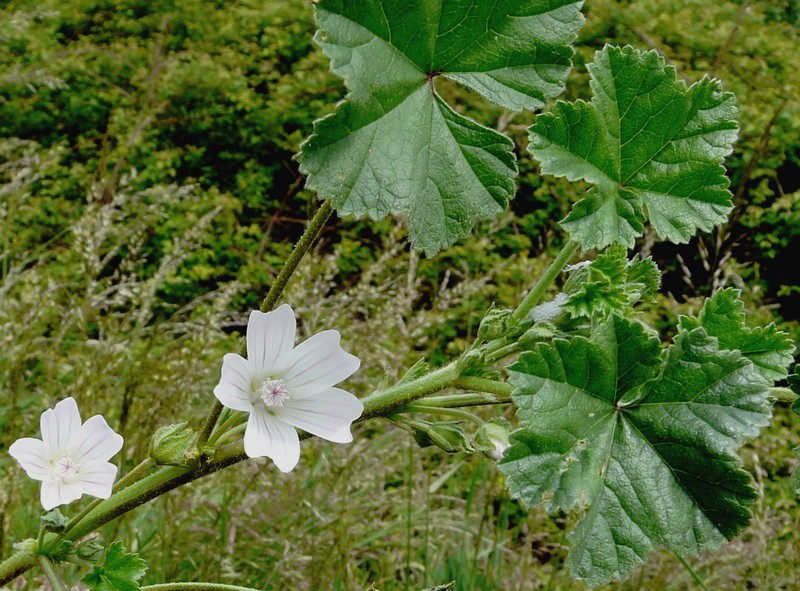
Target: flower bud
{"type": "Point", "coordinates": [172, 444]}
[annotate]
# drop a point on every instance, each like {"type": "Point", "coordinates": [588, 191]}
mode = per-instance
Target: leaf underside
{"type": "Point", "coordinates": [651, 147]}
{"type": "Point", "coordinates": [642, 443]}
{"type": "Point", "coordinates": [394, 146]}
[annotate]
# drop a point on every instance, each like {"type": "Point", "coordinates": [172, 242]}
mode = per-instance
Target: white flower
{"type": "Point", "coordinates": [71, 458]}
{"type": "Point", "coordinates": [283, 387]}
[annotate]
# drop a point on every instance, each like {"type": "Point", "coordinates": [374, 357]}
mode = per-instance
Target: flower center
{"type": "Point", "coordinates": [273, 392]}
{"type": "Point", "coordinates": [66, 468]}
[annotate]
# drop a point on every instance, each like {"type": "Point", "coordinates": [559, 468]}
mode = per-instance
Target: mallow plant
{"type": "Point", "coordinates": [638, 437]}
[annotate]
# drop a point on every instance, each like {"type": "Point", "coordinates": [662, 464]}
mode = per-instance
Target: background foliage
{"type": "Point", "coordinates": [149, 193]}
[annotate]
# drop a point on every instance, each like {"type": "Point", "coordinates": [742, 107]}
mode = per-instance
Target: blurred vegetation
{"type": "Point", "coordinates": [148, 196]}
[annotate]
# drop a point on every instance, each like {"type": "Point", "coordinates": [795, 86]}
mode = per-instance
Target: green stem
{"type": "Point", "coordinates": [688, 567]}
{"type": "Point", "coordinates": [40, 539]}
{"type": "Point", "coordinates": [133, 475]}
{"type": "Point", "coordinates": [119, 485]}
{"type": "Point", "coordinates": [475, 384]}
{"type": "Point", "coordinates": [442, 410]}
{"type": "Point", "coordinates": [501, 353]}
{"type": "Point", "coordinates": [462, 400]}
{"type": "Point", "coordinates": [553, 271]}
{"type": "Point", "coordinates": [50, 572]}
{"type": "Point", "coordinates": [222, 429]}
{"type": "Point", "coordinates": [303, 245]}
{"type": "Point", "coordinates": [167, 478]}
{"type": "Point", "coordinates": [383, 403]}
{"type": "Point", "coordinates": [15, 565]}
{"type": "Point", "coordinates": [208, 425]}
{"type": "Point", "coordinates": [194, 587]}
{"type": "Point", "coordinates": [231, 432]}
{"type": "Point", "coordinates": [312, 232]}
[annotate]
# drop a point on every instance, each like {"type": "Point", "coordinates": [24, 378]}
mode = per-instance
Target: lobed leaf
{"type": "Point", "coordinates": [723, 317]}
{"type": "Point", "coordinates": [611, 284]}
{"type": "Point", "coordinates": [120, 571]}
{"type": "Point", "coordinates": [394, 146]}
{"type": "Point", "coordinates": [652, 148]}
{"type": "Point", "coordinates": [643, 444]}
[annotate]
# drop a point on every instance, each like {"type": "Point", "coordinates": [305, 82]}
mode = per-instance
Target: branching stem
{"type": "Point", "coordinates": [312, 232]}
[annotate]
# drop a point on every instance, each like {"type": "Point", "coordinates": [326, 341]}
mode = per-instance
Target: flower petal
{"type": "Point", "coordinates": [316, 364]}
{"type": "Point", "coordinates": [327, 414]}
{"type": "Point", "coordinates": [60, 426]}
{"type": "Point", "coordinates": [55, 493]}
{"type": "Point", "coordinates": [97, 478]}
{"type": "Point", "coordinates": [266, 436]}
{"type": "Point", "coordinates": [98, 441]}
{"type": "Point", "coordinates": [233, 389]}
{"type": "Point", "coordinates": [270, 336]}
{"type": "Point", "coordinates": [32, 456]}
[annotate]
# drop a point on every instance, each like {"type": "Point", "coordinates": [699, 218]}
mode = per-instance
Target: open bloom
{"type": "Point", "coordinates": [71, 458]}
{"type": "Point", "coordinates": [284, 387]}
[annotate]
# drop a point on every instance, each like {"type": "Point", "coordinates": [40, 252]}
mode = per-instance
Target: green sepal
{"type": "Point", "coordinates": [491, 438]}
{"type": "Point", "coordinates": [54, 521]}
{"type": "Point", "coordinates": [90, 551]}
{"type": "Point", "coordinates": [174, 445]}
{"type": "Point", "coordinates": [446, 436]}
{"type": "Point", "coordinates": [419, 369]}
{"type": "Point", "coordinates": [494, 324]}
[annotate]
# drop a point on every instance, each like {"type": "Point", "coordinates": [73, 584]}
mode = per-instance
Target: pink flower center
{"type": "Point", "coordinates": [273, 392]}
{"type": "Point", "coordinates": [66, 468]}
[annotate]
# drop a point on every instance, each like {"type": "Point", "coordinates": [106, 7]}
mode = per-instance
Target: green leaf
{"type": "Point", "coordinates": [794, 385]}
{"type": "Point", "coordinates": [120, 571]}
{"type": "Point", "coordinates": [644, 446]}
{"type": "Point", "coordinates": [610, 284]}
{"type": "Point", "coordinates": [651, 147]}
{"type": "Point", "coordinates": [394, 146]}
{"type": "Point", "coordinates": [723, 317]}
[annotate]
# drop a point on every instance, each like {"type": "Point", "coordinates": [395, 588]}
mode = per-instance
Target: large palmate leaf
{"type": "Point", "coordinates": [652, 148]}
{"type": "Point", "coordinates": [723, 317]}
{"type": "Point", "coordinates": [394, 146]}
{"type": "Point", "coordinates": [643, 444]}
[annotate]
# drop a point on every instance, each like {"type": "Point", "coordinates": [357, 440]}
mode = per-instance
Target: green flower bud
{"type": "Point", "coordinates": [172, 445]}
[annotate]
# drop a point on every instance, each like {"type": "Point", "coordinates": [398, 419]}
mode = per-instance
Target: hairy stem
{"type": "Point", "coordinates": [474, 384]}
{"type": "Point", "coordinates": [194, 587]}
{"type": "Point", "coordinates": [167, 478]}
{"type": "Point", "coordinates": [50, 572]}
{"type": "Point", "coordinates": [312, 232]}
{"type": "Point", "coordinates": [463, 400]}
{"type": "Point", "coordinates": [443, 410]}
{"type": "Point", "coordinates": [383, 403]}
{"type": "Point", "coordinates": [536, 294]}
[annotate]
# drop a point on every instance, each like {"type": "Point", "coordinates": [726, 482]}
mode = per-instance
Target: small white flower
{"type": "Point", "coordinates": [284, 387]}
{"type": "Point", "coordinates": [71, 458]}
